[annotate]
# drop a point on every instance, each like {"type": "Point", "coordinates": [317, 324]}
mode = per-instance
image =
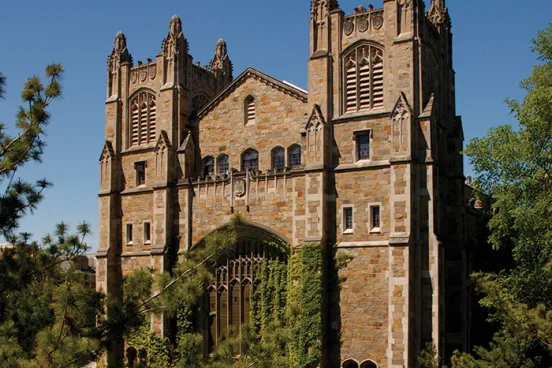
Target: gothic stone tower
{"type": "Point", "coordinates": [368, 159]}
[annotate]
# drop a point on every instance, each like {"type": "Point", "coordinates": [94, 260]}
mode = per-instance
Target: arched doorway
{"type": "Point", "coordinates": [236, 276]}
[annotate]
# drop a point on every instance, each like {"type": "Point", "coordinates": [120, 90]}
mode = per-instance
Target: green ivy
{"type": "Point", "coordinates": [158, 350]}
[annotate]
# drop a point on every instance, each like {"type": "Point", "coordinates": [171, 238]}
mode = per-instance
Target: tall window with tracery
{"type": "Point", "coordinates": [143, 119]}
{"type": "Point", "coordinates": [229, 295]}
{"type": "Point", "coordinates": [363, 78]}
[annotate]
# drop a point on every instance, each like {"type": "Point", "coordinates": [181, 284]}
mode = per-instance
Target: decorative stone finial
{"type": "Point", "coordinates": [120, 42]}
{"type": "Point", "coordinates": [438, 13]}
{"type": "Point", "coordinates": [221, 64]}
{"type": "Point", "coordinates": [175, 26]}
{"type": "Point", "coordinates": [360, 9]}
{"type": "Point", "coordinates": [329, 5]}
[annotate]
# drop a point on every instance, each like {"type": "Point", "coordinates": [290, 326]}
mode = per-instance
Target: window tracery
{"type": "Point", "coordinates": [363, 78]}
{"type": "Point", "coordinates": [143, 119]}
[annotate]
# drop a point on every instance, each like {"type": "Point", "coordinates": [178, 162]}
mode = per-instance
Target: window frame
{"type": "Point", "coordinates": [371, 227]}
{"type": "Point", "coordinates": [273, 158]}
{"type": "Point", "coordinates": [140, 174]}
{"type": "Point", "coordinates": [147, 234]}
{"type": "Point", "coordinates": [143, 98]}
{"type": "Point", "coordinates": [290, 153]}
{"type": "Point", "coordinates": [379, 51]}
{"type": "Point", "coordinates": [344, 210]}
{"type": "Point", "coordinates": [356, 153]}
{"type": "Point", "coordinates": [246, 103]}
{"type": "Point", "coordinates": [129, 236]}
{"type": "Point", "coordinates": [242, 159]}
{"type": "Point", "coordinates": [217, 164]}
{"type": "Point", "coordinates": [204, 171]}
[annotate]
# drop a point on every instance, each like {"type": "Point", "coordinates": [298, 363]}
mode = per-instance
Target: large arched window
{"type": "Point", "coordinates": [236, 276]}
{"type": "Point", "coordinates": [223, 165]}
{"type": "Point", "coordinates": [250, 160]}
{"type": "Point", "coordinates": [363, 78]}
{"type": "Point", "coordinates": [278, 159]}
{"type": "Point", "coordinates": [350, 363]}
{"type": "Point", "coordinates": [208, 166]}
{"type": "Point", "coordinates": [143, 118]}
{"type": "Point", "coordinates": [294, 153]}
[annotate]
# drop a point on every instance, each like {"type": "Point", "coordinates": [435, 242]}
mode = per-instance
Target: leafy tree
{"type": "Point", "coordinates": [514, 166]}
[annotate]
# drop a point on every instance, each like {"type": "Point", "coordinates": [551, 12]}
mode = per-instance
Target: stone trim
{"type": "Point", "coordinates": [140, 189]}
{"type": "Point", "coordinates": [364, 244]}
{"type": "Point", "coordinates": [362, 165]}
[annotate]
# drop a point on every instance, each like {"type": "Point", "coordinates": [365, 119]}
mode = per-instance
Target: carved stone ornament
{"type": "Point", "coordinates": [143, 74]}
{"type": "Point", "coordinates": [133, 76]}
{"type": "Point", "coordinates": [348, 27]}
{"type": "Point", "coordinates": [363, 24]}
{"type": "Point", "coordinates": [152, 71]}
{"type": "Point", "coordinates": [377, 21]}
{"type": "Point", "coordinates": [239, 188]}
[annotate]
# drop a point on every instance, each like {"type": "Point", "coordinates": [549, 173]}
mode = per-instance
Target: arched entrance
{"type": "Point", "coordinates": [236, 275]}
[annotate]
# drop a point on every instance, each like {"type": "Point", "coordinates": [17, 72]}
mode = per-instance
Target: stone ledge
{"type": "Point", "coordinates": [364, 244]}
{"type": "Point", "coordinates": [362, 165]}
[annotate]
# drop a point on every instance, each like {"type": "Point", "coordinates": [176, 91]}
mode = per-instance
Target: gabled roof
{"type": "Point", "coordinates": [264, 78]}
{"type": "Point", "coordinates": [107, 150]}
{"type": "Point", "coordinates": [163, 141]}
{"type": "Point", "coordinates": [428, 110]}
{"type": "Point", "coordinates": [316, 116]}
{"type": "Point", "coordinates": [402, 101]}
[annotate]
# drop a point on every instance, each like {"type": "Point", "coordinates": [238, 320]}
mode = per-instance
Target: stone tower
{"type": "Point", "coordinates": [368, 159]}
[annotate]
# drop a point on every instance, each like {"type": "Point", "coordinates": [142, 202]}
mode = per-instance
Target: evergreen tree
{"type": "Point", "coordinates": [21, 197]}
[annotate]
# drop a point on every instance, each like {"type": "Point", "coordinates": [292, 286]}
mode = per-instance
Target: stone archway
{"type": "Point", "coordinates": [228, 301]}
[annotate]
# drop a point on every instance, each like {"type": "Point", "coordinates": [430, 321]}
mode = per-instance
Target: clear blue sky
{"type": "Point", "coordinates": [491, 56]}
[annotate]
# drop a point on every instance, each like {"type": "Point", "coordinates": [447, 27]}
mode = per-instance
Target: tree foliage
{"type": "Point", "coordinates": [21, 197]}
{"type": "Point", "coordinates": [514, 166]}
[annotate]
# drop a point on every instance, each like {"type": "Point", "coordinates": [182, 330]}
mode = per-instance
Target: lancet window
{"type": "Point", "coordinates": [143, 119]}
{"type": "Point", "coordinates": [363, 78]}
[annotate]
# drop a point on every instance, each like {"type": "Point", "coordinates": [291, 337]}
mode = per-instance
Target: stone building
{"type": "Point", "coordinates": [368, 159]}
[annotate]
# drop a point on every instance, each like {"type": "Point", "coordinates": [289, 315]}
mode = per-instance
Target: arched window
{"type": "Point", "coordinates": [350, 363]}
{"type": "Point", "coordinates": [250, 110]}
{"type": "Point", "coordinates": [368, 364]}
{"type": "Point", "coordinates": [278, 158]}
{"type": "Point", "coordinates": [223, 165]}
{"type": "Point", "coordinates": [250, 160]}
{"type": "Point", "coordinates": [208, 166]}
{"type": "Point", "coordinates": [143, 118]}
{"type": "Point", "coordinates": [236, 275]}
{"type": "Point", "coordinates": [363, 78]}
{"type": "Point", "coordinates": [294, 153]}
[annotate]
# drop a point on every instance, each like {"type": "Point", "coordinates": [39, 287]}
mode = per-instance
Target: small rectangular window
{"type": "Point", "coordinates": [147, 232]}
{"type": "Point", "coordinates": [376, 221]}
{"type": "Point", "coordinates": [140, 168]}
{"type": "Point", "coordinates": [129, 233]}
{"type": "Point", "coordinates": [363, 146]}
{"type": "Point", "coordinates": [348, 219]}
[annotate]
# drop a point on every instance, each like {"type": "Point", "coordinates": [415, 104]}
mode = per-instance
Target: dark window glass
{"type": "Point", "coordinates": [363, 146]}
{"type": "Point", "coordinates": [295, 156]}
{"type": "Point", "coordinates": [147, 232]}
{"type": "Point", "coordinates": [250, 160]}
{"type": "Point", "coordinates": [208, 166]}
{"type": "Point", "coordinates": [223, 165]}
{"type": "Point", "coordinates": [278, 158]}
{"type": "Point", "coordinates": [348, 213]}
{"type": "Point", "coordinates": [376, 217]}
{"type": "Point", "coordinates": [129, 233]}
{"type": "Point", "coordinates": [350, 364]}
{"type": "Point", "coordinates": [140, 173]}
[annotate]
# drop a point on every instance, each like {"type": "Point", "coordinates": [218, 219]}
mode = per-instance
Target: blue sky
{"type": "Point", "coordinates": [491, 56]}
